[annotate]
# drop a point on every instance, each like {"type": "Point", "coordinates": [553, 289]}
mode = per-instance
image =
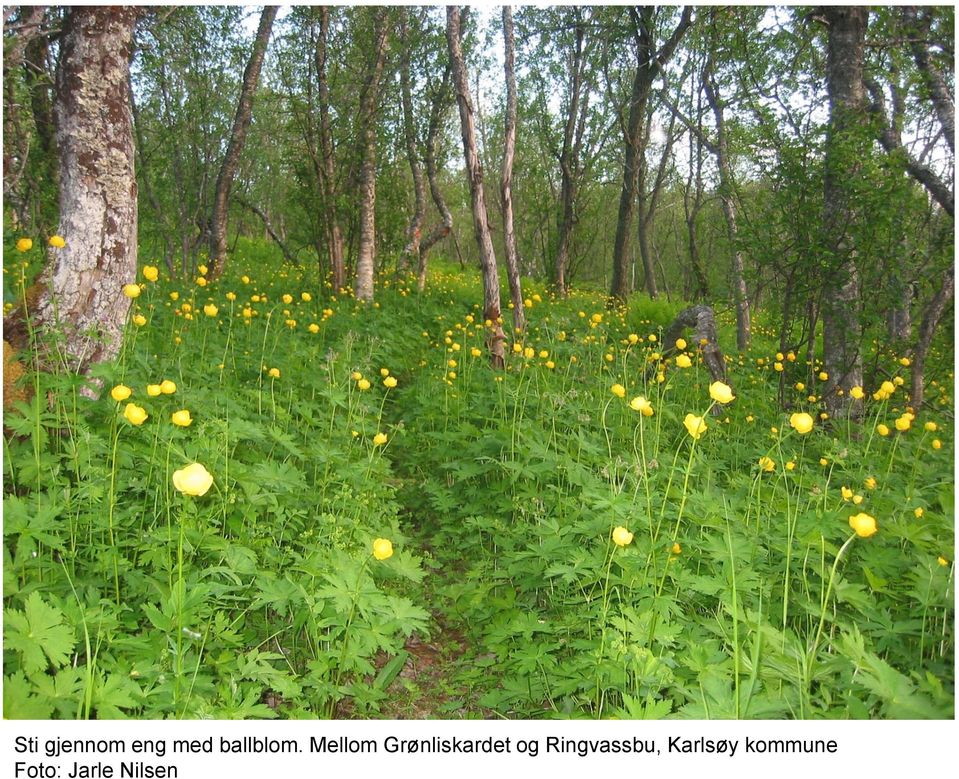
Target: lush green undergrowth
{"type": "Point", "coordinates": [600, 561]}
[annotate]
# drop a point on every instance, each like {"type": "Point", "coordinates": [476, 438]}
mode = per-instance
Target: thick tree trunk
{"type": "Point", "coordinates": [727, 196]}
{"type": "Point", "coordinates": [506, 182]}
{"type": "Point", "coordinates": [334, 233]}
{"type": "Point", "coordinates": [842, 328]}
{"type": "Point", "coordinates": [414, 231]}
{"type": "Point", "coordinates": [231, 161]}
{"type": "Point", "coordinates": [366, 248]}
{"type": "Point", "coordinates": [474, 172]}
{"type": "Point", "coordinates": [98, 188]}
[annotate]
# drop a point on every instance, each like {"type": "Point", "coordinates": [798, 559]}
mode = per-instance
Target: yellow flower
{"type": "Point", "coordinates": [857, 499]}
{"type": "Point", "coordinates": [151, 272]}
{"type": "Point", "coordinates": [24, 245]}
{"type": "Point", "coordinates": [931, 427]}
{"type": "Point", "coordinates": [643, 406]}
{"type": "Point", "coordinates": [131, 290]}
{"type": "Point", "coordinates": [382, 549]}
{"type": "Point", "coordinates": [231, 296]}
{"type": "Point", "coordinates": [800, 387]}
{"type": "Point", "coordinates": [652, 338]}
{"type": "Point", "coordinates": [182, 418]}
{"type": "Point", "coordinates": [802, 422]}
{"type": "Point", "coordinates": [942, 561]}
{"type": "Point", "coordinates": [134, 414]}
{"type": "Point", "coordinates": [888, 387]}
{"type": "Point", "coordinates": [379, 439]}
{"type": "Point", "coordinates": [596, 318]}
{"type": "Point", "coordinates": [823, 376]}
{"type": "Point", "coordinates": [936, 443]}
{"type": "Point", "coordinates": [475, 352]}
{"type": "Point", "coordinates": [767, 464]}
{"type": "Point", "coordinates": [618, 390]}
{"type": "Point", "coordinates": [356, 375]}
{"type": "Point", "coordinates": [846, 493]}
{"type": "Point", "coordinates": [274, 373]}
{"type": "Point", "coordinates": [863, 524]}
{"type": "Point", "coordinates": [903, 423]}
{"type": "Point", "coordinates": [139, 320]}
{"type": "Point", "coordinates": [167, 387]}
{"type": "Point", "coordinates": [210, 310]}
{"type": "Point", "coordinates": [882, 429]}
{"type": "Point", "coordinates": [905, 362]}
{"type": "Point", "coordinates": [790, 466]}
{"type": "Point", "coordinates": [306, 297]}
{"type": "Point", "coordinates": [870, 483]}
{"type": "Point", "coordinates": [918, 512]}
{"type": "Point", "coordinates": [696, 426]}
{"type": "Point", "coordinates": [680, 344]}
{"type": "Point", "coordinates": [390, 382]}
{"type": "Point", "coordinates": [683, 361]}
{"type": "Point", "coordinates": [823, 462]}
{"type": "Point", "coordinates": [174, 296]}
{"type": "Point", "coordinates": [200, 281]}
{"type": "Point", "coordinates": [314, 328]}
{"type": "Point", "coordinates": [363, 384]}
{"type": "Point", "coordinates": [384, 372]}
{"type": "Point", "coordinates": [193, 480]}
{"type": "Point", "coordinates": [621, 536]}
{"type": "Point", "coordinates": [202, 269]}
{"type": "Point", "coordinates": [120, 392]}
{"type": "Point", "coordinates": [57, 242]}
{"type": "Point", "coordinates": [721, 392]}
{"type": "Point", "coordinates": [245, 279]}
{"type": "Point", "coordinates": [153, 390]}
{"type": "Point", "coordinates": [778, 366]}
{"type": "Point", "coordinates": [676, 549]}
{"type": "Point", "coordinates": [857, 393]}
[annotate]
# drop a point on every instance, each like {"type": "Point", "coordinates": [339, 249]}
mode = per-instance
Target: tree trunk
{"type": "Point", "coordinates": [366, 248]}
{"type": "Point", "coordinates": [727, 196]}
{"type": "Point", "coordinates": [414, 231]}
{"type": "Point", "coordinates": [98, 188]}
{"type": "Point", "coordinates": [842, 328]}
{"type": "Point", "coordinates": [474, 172]}
{"type": "Point", "coordinates": [506, 183]}
{"type": "Point", "coordinates": [334, 233]}
{"type": "Point", "coordinates": [930, 321]}
{"type": "Point", "coordinates": [231, 161]}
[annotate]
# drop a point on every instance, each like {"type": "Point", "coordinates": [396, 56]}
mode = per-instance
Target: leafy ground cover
{"type": "Point", "coordinates": [393, 529]}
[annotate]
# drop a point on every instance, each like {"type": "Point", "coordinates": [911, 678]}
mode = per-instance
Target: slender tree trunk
{"type": "Point", "coordinates": [506, 182]}
{"type": "Point", "coordinates": [930, 321]}
{"type": "Point", "coordinates": [334, 233]}
{"type": "Point", "coordinates": [842, 328]}
{"type": "Point", "coordinates": [474, 172]}
{"type": "Point", "coordinates": [231, 161]}
{"type": "Point", "coordinates": [98, 188]}
{"type": "Point", "coordinates": [414, 231]}
{"type": "Point", "coordinates": [366, 248]}
{"type": "Point", "coordinates": [727, 195]}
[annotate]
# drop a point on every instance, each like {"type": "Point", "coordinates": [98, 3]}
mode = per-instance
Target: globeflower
{"type": "Point", "coordinates": [131, 290]}
{"type": "Point", "coordinates": [167, 387]}
{"type": "Point", "coordinates": [618, 390]}
{"type": "Point", "coordinates": [695, 426]}
{"type": "Point", "coordinates": [210, 310]}
{"type": "Point", "coordinates": [363, 384]}
{"type": "Point", "coordinates": [139, 320]}
{"type": "Point", "coordinates": [767, 464]}
{"type": "Point", "coordinates": [274, 373]}
{"type": "Point", "coordinates": [802, 422]}
{"type": "Point", "coordinates": [379, 439]}
{"type": "Point", "coordinates": [903, 423]}
{"type": "Point", "coordinates": [134, 414]}
{"type": "Point", "coordinates": [24, 245]}
{"type": "Point", "coordinates": [193, 480]}
{"type": "Point", "coordinates": [120, 392]}
{"type": "Point", "coordinates": [182, 418]}
{"type": "Point", "coordinates": [382, 549]}
{"type": "Point", "coordinates": [680, 344]}
{"type": "Point", "coordinates": [153, 390]}
{"type": "Point", "coordinates": [721, 393]}
{"type": "Point", "coordinates": [641, 405]}
{"type": "Point", "coordinates": [57, 242]}
{"type": "Point", "coordinates": [389, 382]}
{"type": "Point", "coordinates": [621, 536]}
{"type": "Point", "coordinates": [683, 361]}
{"type": "Point", "coordinates": [857, 393]}
{"type": "Point", "coordinates": [150, 272]}
{"type": "Point", "coordinates": [306, 297]}
{"type": "Point", "coordinates": [863, 524]}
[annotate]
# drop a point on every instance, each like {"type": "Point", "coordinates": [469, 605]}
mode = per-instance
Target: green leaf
{"type": "Point", "coordinates": [19, 702]}
{"type": "Point", "coordinates": [38, 633]}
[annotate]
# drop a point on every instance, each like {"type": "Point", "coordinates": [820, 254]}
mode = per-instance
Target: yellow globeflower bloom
{"type": "Point", "coordinates": [721, 392]}
{"type": "Point", "coordinates": [767, 464]}
{"type": "Point", "coordinates": [356, 375]}
{"type": "Point", "coordinates": [182, 418]}
{"type": "Point", "coordinates": [475, 352]}
{"type": "Point", "coordinates": [863, 524]}
{"type": "Point", "coordinates": [363, 384]}
{"type": "Point", "coordinates": [314, 328]}
{"type": "Point", "coordinates": [790, 466]}
{"type": "Point", "coordinates": [384, 372]}
{"type": "Point", "coordinates": [379, 439]}
{"type": "Point", "coordinates": [683, 361]}
{"type": "Point", "coordinates": [641, 405]}
{"type": "Point", "coordinates": [618, 390]}
{"type": "Point", "coordinates": [131, 290]}
{"type": "Point", "coordinates": [888, 387]}
{"type": "Point", "coordinates": [24, 245]}
{"type": "Point", "coordinates": [903, 423]}
{"type": "Point", "coordinates": [167, 387]}
{"type": "Point", "coordinates": [676, 549]}
{"type": "Point", "coordinates": [153, 390]}
{"type": "Point", "coordinates": [382, 549]}
{"type": "Point", "coordinates": [139, 320]}
{"type": "Point", "coordinates": [936, 443]}
{"type": "Point", "coordinates": [680, 344]}
{"type": "Point", "coordinates": [193, 480]}
{"type": "Point", "coordinates": [57, 242]}
{"type": "Point", "coordinates": [210, 310]}
{"type": "Point", "coordinates": [274, 373]}
{"type": "Point", "coordinates": [174, 296]}
{"type": "Point", "coordinates": [802, 422]}
{"type": "Point", "coordinates": [918, 512]}
{"type": "Point", "coordinates": [200, 281]}
{"type": "Point", "coordinates": [695, 426]}
{"type": "Point", "coordinates": [846, 493]}
{"type": "Point", "coordinates": [202, 269]}
{"type": "Point", "coordinates": [120, 392]}
{"type": "Point", "coordinates": [287, 299]}
{"type": "Point", "coordinates": [823, 376]}
{"type": "Point", "coordinates": [931, 427]}
{"type": "Point", "coordinates": [151, 272]}
{"type": "Point", "coordinates": [134, 414]}
{"type": "Point", "coordinates": [870, 483]}
{"type": "Point", "coordinates": [306, 297]}
{"type": "Point", "coordinates": [621, 536]}
{"type": "Point", "coordinates": [942, 561]}
{"type": "Point", "coordinates": [389, 382]}
{"type": "Point", "coordinates": [857, 393]}
{"type": "Point", "coordinates": [882, 429]}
